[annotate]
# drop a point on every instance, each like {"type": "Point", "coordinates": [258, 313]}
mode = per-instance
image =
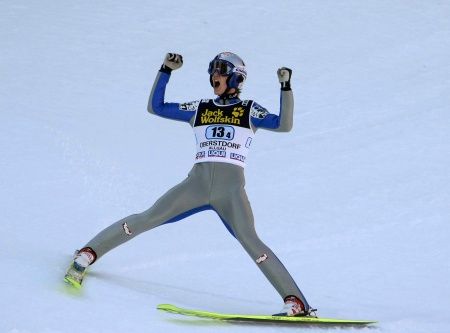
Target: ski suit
{"type": "Point", "coordinates": [224, 129]}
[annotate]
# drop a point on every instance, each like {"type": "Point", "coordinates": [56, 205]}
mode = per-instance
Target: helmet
{"type": "Point", "coordinates": [227, 63]}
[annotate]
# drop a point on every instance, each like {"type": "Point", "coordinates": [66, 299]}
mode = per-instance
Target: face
{"type": "Point", "coordinates": [220, 84]}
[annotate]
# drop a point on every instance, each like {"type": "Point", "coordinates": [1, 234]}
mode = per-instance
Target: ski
{"type": "Point", "coordinates": [262, 318]}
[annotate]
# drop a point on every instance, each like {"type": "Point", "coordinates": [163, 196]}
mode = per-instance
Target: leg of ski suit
{"type": "Point", "coordinates": [217, 186]}
{"type": "Point", "coordinates": [186, 198]}
{"type": "Point", "coordinates": [229, 200]}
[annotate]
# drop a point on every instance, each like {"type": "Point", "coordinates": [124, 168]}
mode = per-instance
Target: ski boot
{"type": "Point", "coordinates": [78, 267]}
{"type": "Point", "coordinates": [293, 306]}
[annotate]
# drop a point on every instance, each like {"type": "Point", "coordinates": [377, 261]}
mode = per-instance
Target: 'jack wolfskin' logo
{"type": "Point", "coordinates": [238, 111]}
{"type": "Point", "coordinates": [220, 117]}
{"type": "Point", "coordinates": [209, 113]}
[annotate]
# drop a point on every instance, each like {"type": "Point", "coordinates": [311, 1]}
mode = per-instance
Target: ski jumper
{"type": "Point", "coordinates": [224, 130]}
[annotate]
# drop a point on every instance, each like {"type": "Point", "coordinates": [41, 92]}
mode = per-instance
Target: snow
{"type": "Point", "coordinates": [354, 201]}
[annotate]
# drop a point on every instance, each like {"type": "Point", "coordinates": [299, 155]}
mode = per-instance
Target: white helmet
{"type": "Point", "coordinates": [230, 64]}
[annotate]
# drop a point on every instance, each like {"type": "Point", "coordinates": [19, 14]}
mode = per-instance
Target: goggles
{"type": "Point", "coordinates": [222, 67]}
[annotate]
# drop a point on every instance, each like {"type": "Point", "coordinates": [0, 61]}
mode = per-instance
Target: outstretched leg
{"type": "Point", "coordinates": [186, 198]}
{"type": "Point", "coordinates": [237, 214]}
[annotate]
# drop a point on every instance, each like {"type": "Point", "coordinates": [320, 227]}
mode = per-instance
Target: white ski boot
{"type": "Point", "coordinates": [293, 306]}
{"type": "Point", "coordinates": [78, 267]}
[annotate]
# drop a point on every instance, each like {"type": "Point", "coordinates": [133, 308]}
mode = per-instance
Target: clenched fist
{"type": "Point", "coordinates": [284, 76]}
{"type": "Point", "coordinates": [172, 61]}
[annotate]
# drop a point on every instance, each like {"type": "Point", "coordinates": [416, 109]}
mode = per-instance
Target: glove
{"type": "Point", "coordinates": [284, 76]}
{"type": "Point", "coordinates": [172, 61]}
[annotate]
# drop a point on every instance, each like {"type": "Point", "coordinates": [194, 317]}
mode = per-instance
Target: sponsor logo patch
{"type": "Point", "coordinates": [218, 117]}
{"type": "Point", "coordinates": [237, 157]}
{"type": "Point", "coordinates": [126, 229]}
{"type": "Point", "coordinates": [238, 111]}
{"type": "Point", "coordinates": [217, 153]}
{"type": "Point", "coordinates": [200, 155]}
{"type": "Point", "coordinates": [190, 106]}
{"type": "Point", "coordinates": [262, 258]}
{"type": "Point", "coordinates": [257, 111]}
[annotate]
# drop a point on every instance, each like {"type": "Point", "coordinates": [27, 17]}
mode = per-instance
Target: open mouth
{"type": "Point", "coordinates": [216, 84]}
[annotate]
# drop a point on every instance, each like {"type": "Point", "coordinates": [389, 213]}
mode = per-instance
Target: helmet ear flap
{"type": "Point", "coordinates": [235, 81]}
{"type": "Point", "coordinates": [211, 81]}
{"type": "Point", "coordinates": [229, 80]}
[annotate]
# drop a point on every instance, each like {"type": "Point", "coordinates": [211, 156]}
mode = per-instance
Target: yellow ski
{"type": "Point", "coordinates": [263, 318]}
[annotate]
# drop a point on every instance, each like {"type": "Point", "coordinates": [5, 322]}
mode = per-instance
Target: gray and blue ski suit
{"type": "Point", "coordinates": [224, 129]}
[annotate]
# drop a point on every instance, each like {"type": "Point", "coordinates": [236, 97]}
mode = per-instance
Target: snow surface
{"type": "Point", "coordinates": [354, 201]}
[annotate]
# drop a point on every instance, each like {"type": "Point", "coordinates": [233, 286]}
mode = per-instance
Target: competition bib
{"type": "Point", "coordinates": [223, 132]}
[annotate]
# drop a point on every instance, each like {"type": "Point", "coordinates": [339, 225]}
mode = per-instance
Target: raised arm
{"type": "Point", "coordinates": [156, 104]}
{"type": "Point", "coordinates": [261, 118]}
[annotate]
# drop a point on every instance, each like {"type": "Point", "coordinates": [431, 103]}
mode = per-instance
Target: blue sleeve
{"type": "Point", "coordinates": [261, 118]}
{"type": "Point", "coordinates": [157, 105]}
